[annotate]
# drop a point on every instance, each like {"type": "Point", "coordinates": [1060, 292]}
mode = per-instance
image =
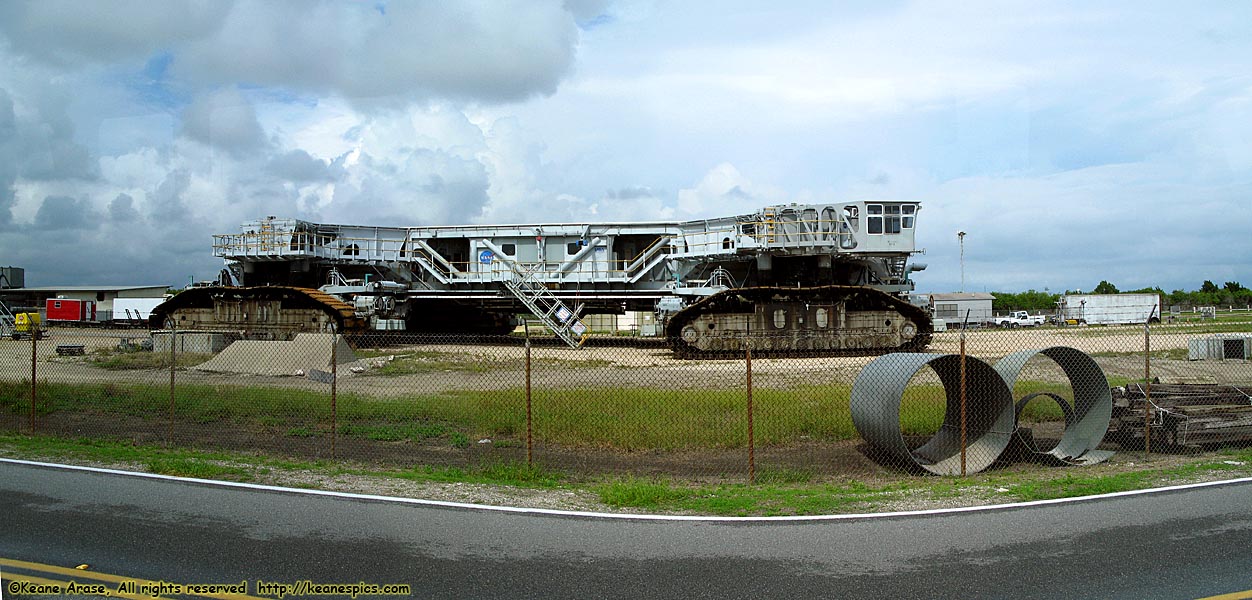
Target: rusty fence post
{"type": "Point", "coordinates": [169, 425]}
{"type": "Point", "coordinates": [751, 432]}
{"type": "Point", "coordinates": [530, 444]}
{"type": "Point", "coordinates": [1147, 389]}
{"type": "Point", "coordinates": [34, 387]}
{"type": "Point", "coordinates": [334, 388]}
{"type": "Point", "coordinates": [964, 444]}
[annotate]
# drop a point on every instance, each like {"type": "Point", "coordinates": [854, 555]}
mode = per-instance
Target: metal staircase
{"type": "Point", "coordinates": [541, 302]}
{"type": "Point", "coordinates": [8, 322]}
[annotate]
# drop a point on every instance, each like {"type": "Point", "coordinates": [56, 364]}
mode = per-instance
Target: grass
{"type": "Point", "coordinates": [1239, 324]}
{"type": "Point", "coordinates": [777, 492]}
{"type": "Point", "coordinates": [773, 495]}
{"type": "Point", "coordinates": [197, 468]}
{"type": "Point", "coordinates": [421, 362]}
{"type": "Point", "coordinates": [640, 493]}
{"type": "Point", "coordinates": [626, 419]}
{"type": "Point", "coordinates": [1169, 354]}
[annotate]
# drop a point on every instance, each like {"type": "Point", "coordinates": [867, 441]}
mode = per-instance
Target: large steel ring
{"type": "Point", "coordinates": [1093, 402]}
{"type": "Point", "coordinates": [989, 424]}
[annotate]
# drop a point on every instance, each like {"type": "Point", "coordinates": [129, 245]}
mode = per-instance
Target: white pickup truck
{"type": "Point", "coordinates": [1020, 318]}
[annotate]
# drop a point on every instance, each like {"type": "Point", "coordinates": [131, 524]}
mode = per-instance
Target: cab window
{"type": "Point", "coordinates": [874, 223]}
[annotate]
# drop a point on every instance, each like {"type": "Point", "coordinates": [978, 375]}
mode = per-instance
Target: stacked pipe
{"type": "Point", "coordinates": [970, 440]}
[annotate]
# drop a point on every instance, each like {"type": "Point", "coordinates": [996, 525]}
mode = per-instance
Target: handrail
{"type": "Point", "coordinates": [438, 257]}
{"type": "Point", "coordinates": [574, 260]}
{"type": "Point", "coordinates": [644, 271]}
{"type": "Point", "coordinates": [654, 247]}
{"type": "Point", "coordinates": [430, 268]}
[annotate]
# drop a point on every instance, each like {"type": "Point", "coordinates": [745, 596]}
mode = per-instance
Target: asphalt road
{"type": "Point", "coordinates": [1182, 544]}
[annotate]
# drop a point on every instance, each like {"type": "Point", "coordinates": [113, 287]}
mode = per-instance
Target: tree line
{"type": "Point", "coordinates": [1209, 294]}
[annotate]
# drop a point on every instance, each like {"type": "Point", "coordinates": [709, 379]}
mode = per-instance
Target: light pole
{"type": "Point", "coordinates": [960, 236]}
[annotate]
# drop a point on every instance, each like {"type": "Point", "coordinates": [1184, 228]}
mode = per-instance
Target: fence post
{"type": "Point", "coordinates": [334, 388]}
{"type": "Point", "coordinates": [1147, 389]}
{"type": "Point", "coordinates": [530, 448]}
{"type": "Point", "coordinates": [963, 395]}
{"type": "Point", "coordinates": [34, 389]}
{"type": "Point", "coordinates": [169, 425]}
{"type": "Point", "coordinates": [751, 433]}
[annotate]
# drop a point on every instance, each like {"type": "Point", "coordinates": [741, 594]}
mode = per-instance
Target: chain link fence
{"type": "Point", "coordinates": [624, 405]}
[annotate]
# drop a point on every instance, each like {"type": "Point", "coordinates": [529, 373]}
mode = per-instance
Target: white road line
{"type": "Point", "coordinates": [627, 516]}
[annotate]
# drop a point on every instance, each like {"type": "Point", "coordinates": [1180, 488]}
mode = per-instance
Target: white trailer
{"type": "Point", "coordinates": [134, 310]}
{"type": "Point", "coordinates": [1110, 309]}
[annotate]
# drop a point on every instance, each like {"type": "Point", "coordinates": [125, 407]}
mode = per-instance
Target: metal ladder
{"type": "Point", "coordinates": [542, 303]}
{"type": "Point", "coordinates": [769, 221]}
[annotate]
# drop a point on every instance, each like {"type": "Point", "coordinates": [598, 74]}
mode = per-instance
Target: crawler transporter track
{"type": "Point", "coordinates": [832, 320]}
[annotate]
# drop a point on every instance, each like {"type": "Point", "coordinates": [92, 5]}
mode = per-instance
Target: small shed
{"type": "Point", "coordinates": [952, 308]}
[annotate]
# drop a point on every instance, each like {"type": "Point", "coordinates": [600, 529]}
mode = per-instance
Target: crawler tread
{"type": "Point", "coordinates": [743, 299]}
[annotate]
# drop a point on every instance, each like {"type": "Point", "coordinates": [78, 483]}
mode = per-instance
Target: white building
{"type": "Point", "coordinates": [962, 307]}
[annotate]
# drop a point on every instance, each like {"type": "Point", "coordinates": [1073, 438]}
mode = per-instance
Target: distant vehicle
{"type": "Point", "coordinates": [1020, 318]}
{"type": "Point", "coordinates": [134, 311]}
{"type": "Point", "coordinates": [24, 323]}
{"type": "Point", "coordinates": [1109, 309]}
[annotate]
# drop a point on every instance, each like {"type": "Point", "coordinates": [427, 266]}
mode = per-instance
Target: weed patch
{"type": "Point", "coordinates": [199, 469]}
{"type": "Point", "coordinates": [639, 493]}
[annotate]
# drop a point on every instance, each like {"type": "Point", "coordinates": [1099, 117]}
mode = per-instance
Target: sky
{"type": "Point", "coordinates": [1073, 142]}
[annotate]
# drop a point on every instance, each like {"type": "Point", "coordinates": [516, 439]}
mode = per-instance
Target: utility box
{"type": "Point", "coordinates": [199, 342]}
{"type": "Point", "coordinates": [12, 277]}
{"type": "Point", "coordinates": [1222, 347]}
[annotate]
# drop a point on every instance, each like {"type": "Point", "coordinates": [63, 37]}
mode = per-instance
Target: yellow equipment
{"type": "Point", "coordinates": [25, 323]}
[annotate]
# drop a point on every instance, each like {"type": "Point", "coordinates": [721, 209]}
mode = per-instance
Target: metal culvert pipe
{"type": "Point", "coordinates": [879, 390]}
{"type": "Point", "coordinates": [1086, 426]}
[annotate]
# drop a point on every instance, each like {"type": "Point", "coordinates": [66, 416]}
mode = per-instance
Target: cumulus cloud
{"type": "Point", "coordinates": [8, 174]}
{"type": "Point", "coordinates": [251, 97]}
{"type": "Point", "coordinates": [421, 186]}
{"type": "Point", "coordinates": [122, 210]}
{"type": "Point", "coordinates": [61, 212]}
{"type": "Point", "coordinates": [70, 33]}
{"type": "Point", "coordinates": [224, 119]}
{"type": "Point", "coordinates": [37, 144]}
{"type": "Point", "coordinates": [297, 165]}
{"type": "Point", "coordinates": [403, 51]}
{"type": "Point", "coordinates": [173, 121]}
{"type": "Point", "coordinates": [724, 191]}
{"type": "Point", "coordinates": [485, 51]}
{"type": "Point", "coordinates": [8, 120]}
